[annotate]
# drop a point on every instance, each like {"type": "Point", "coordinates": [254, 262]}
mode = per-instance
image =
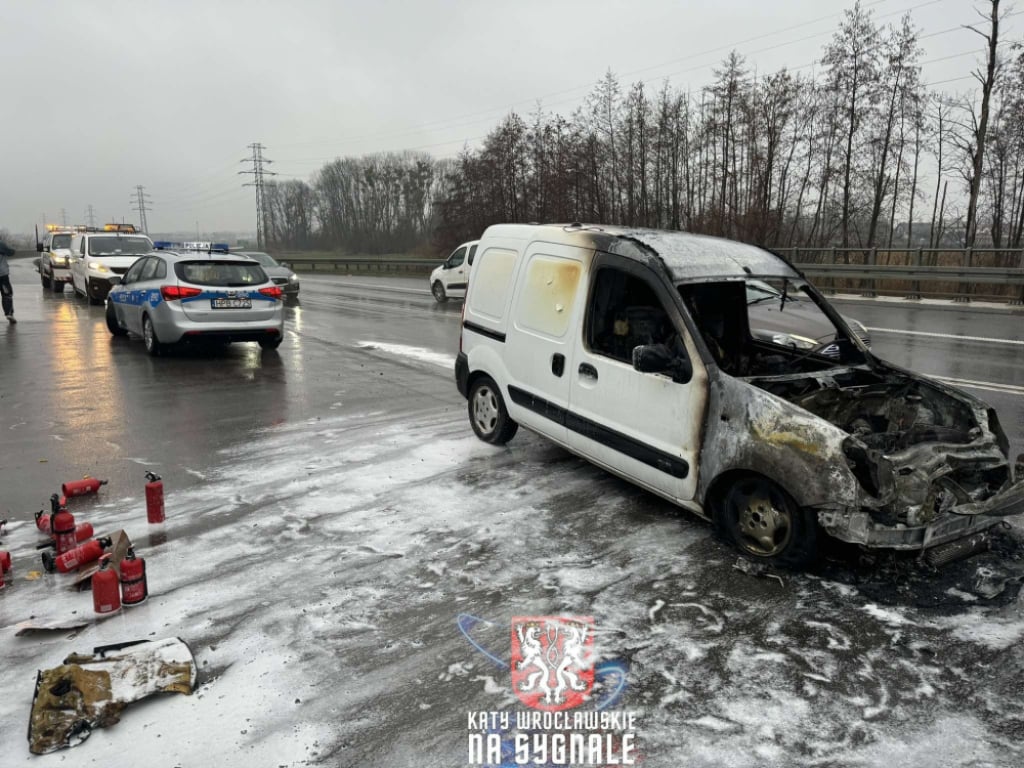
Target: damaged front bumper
{"type": "Point", "coordinates": [857, 526]}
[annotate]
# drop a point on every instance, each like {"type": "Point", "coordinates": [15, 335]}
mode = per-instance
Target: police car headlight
{"type": "Point", "coordinates": [792, 340]}
{"type": "Point", "coordinates": [60, 261]}
{"type": "Point", "coordinates": [293, 278]}
{"type": "Point", "coordinates": [97, 266]}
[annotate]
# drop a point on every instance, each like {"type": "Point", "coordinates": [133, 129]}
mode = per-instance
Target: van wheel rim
{"type": "Point", "coordinates": [764, 528]}
{"type": "Point", "coordinates": [485, 409]}
{"type": "Point", "coordinates": [438, 291]}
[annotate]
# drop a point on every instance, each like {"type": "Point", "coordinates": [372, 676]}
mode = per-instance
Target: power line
{"type": "Point", "coordinates": [257, 173]}
{"type": "Point", "coordinates": [139, 204]}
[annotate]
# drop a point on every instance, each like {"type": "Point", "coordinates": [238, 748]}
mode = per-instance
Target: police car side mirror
{"type": "Point", "coordinates": [39, 247]}
{"type": "Point", "coordinates": [658, 358]}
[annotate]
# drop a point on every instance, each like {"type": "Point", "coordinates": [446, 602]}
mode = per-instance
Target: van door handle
{"type": "Point", "coordinates": [558, 364]}
{"type": "Point", "coordinates": [586, 369]}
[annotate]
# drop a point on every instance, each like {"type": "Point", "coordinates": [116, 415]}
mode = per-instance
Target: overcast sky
{"type": "Point", "coordinates": [97, 97]}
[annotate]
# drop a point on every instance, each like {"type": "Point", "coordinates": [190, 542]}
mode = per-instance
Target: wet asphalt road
{"type": "Point", "coordinates": [330, 518]}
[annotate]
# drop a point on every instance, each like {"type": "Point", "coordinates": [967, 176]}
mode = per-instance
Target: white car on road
{"type": "Point", "coordinates": [449, 281]}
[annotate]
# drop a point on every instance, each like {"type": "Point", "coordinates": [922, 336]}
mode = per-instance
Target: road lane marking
{"type": "Point", "coordinates": [986, 339]}
{"type": "Point", "coordinates": [991, 386]}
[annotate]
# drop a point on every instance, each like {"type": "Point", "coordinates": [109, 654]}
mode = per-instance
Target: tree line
{"type": "Point", "coordinates": [861, 154]}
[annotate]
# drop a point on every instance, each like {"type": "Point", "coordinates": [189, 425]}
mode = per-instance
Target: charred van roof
{"type": "Point", "coordinates": [686, 256]}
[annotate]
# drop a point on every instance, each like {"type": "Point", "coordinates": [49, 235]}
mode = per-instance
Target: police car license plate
{"type": "Point", "coordinates": [222, 303]}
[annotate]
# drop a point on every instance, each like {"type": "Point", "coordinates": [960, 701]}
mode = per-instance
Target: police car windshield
{"type": "Point", "coordinates": [60, 241]}
{"type": "Point", "coordinates": [119, 246]}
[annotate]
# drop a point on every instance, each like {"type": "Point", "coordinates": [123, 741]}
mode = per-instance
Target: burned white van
{"type": "Point", "coordinates": [712, 374]}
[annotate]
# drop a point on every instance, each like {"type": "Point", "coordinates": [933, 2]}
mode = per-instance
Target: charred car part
{"type": "Point", "coordinates": [929, 462]}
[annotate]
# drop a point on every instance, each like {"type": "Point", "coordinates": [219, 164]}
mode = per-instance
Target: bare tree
{"type": "Point", "coordinates": [974, 144]}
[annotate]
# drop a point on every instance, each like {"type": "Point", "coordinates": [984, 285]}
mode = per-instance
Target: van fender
{"type": "Point", "coordinates": [751, 430]}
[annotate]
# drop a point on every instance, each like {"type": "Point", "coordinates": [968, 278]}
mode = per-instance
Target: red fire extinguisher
{"type": "Point", "coordinates": [62, 525]}
{"type": "Point", "coordinates": [82, 487]}
{"type": "Point", "coordinates": [5, 562]}
{"type": "Point", "coordinates": [106, 596]}
{"type": "Point", "coordinates": [43, 518]}
{"type": "Point", "coordinates": [154, 498]}
{"type": "Point", "coordinates": [79, 556]}
{"type": "Point", "coordinates": [83, 531]}
{"type": "Point", "coordinates": [134, 587]}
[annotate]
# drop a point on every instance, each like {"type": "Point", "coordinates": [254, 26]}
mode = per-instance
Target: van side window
{"type": "Point", "coordinates": [624, 312]}
{"type": "Point", "coordinates": [472, 253]}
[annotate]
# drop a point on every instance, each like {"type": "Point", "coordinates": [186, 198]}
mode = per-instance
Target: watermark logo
{"type": "Point", "coordinates": [552, 661]}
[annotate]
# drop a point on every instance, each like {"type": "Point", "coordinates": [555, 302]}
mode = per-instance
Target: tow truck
{"type": "Point", "coordinates": [55, 248]}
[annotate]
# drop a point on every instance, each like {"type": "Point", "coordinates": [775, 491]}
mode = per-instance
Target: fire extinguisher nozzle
{"type": "Point", "coordinates": [104, 482]}
{"type": "Point", "coordinates": [152, 477]}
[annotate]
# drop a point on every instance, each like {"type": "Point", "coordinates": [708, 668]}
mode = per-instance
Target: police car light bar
{"type": "Point", "coordinates": [193, 245]}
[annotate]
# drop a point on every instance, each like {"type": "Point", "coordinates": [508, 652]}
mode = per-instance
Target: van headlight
{"type": "Point", "coordinates": [99, 266]}
{"type": "Point", "coordinates": [792, 340]}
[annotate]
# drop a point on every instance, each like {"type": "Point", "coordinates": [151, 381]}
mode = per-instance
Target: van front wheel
{"type": "Point", "coordinates": [438, 290]}
{"type": "Point", "coordinates": [766, 524]}
{"type": "Point", "coordinates": [487, 413]}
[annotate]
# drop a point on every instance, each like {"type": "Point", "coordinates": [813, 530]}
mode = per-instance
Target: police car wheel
{"type": "Point", "coordinates": [438, 290]}
{"type": "Point", "coordinates": [487, 413]}
{"type": "Point", "coordinates": [112, 325]}
{"type": "Point", "coordinates": [153, 345]}
{"type": "Point", "coordinates": [271, 343]}
{"type": "Point", "coordinates": [47, 282]}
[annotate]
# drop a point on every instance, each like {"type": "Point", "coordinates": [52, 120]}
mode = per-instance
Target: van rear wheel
{"type": "Point", "coordinates": [487, 413]}
{"type": "Point", "coordinates": [766, 524]}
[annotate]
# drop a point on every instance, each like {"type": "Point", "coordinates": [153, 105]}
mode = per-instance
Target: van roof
{"type": "Point", "coordinates": [685, 255]}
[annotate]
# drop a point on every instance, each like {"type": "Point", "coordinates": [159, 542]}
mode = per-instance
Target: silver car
{"type": "Point", "coordinates": [173, 296]}
{"type": "Point", "coordinates": [281, 274]}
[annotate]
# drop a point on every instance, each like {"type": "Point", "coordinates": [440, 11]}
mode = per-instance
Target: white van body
{"type": "Point", "coordinates": [449, 280]}
{"type": "Point", "coordinates": [606, 341]}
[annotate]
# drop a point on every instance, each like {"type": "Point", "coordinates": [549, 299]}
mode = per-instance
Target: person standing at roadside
{"type": "Point", "coordinates": [5, 282]}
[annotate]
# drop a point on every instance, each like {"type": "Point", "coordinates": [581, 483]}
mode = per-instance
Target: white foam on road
{"type": "Point", "coordinates": [421, 354]}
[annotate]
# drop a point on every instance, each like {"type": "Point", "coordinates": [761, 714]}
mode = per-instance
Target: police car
{"type": "Point", "coordinates": [196, 291]}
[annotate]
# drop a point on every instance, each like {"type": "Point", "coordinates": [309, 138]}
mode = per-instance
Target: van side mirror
{"type": "Point", "coordinates": [658, 358]}
{"type": "Point", "coordinates": [39, 247]}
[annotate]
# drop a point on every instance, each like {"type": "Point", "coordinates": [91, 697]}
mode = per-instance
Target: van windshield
{"type": "Point", "coordinates": [119, 246]}
{"type": "Point", "coordinates": [768, 326]}
{"type": "Point", "coordinates": [61, 241]}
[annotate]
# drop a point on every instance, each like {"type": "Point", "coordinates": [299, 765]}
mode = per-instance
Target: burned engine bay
{"type": "Point", "coordinates": [917, 449]}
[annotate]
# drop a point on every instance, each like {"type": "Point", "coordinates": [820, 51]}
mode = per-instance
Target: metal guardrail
{"type": "Point", "coordinates": [872, 278]}
{"type": "Point", "coordinates": [365, 264]}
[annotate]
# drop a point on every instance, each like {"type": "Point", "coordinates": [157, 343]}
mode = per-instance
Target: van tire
{"type": "Point", "coordinates": [765, 524]}
{"type": "Point", "coordinates": [487, 413]}
{"type": "Point", "coordinates": [438, 290]}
